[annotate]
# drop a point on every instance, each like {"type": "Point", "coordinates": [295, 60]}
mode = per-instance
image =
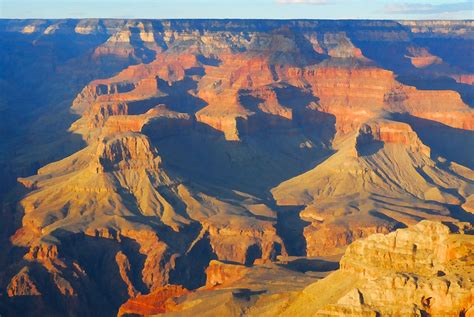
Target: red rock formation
{"type": "Point", "coordinates": [420, 57]}
{"type": "Point", "coordinates": [390, 132]}
{"type": "Point", "coordinates": [220, 87]}
{"type": "Point", "coordinates": [157, 302]}
{"type": "Point", "coordinates": [147, 215]}
{"type": "Point", "coordinates": [354, 95]}
{"type": "Point", "coordinates": [126, 152]}
{"type": "Point", "coordinates": [464, 79]}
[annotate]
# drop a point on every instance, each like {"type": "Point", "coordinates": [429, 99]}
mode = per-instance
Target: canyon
{"type": "Point", "coordinates": [236, 167]}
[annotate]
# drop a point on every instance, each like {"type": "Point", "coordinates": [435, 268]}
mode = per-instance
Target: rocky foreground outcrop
{"type": "Point", "coordinates": [423, 270]}
{"type": "Point", "coordinates": [420, 271]}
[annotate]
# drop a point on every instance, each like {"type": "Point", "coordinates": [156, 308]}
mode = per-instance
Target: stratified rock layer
{"type": "Point", "coordinates": [422, 270]}
{"type": "Point", "coordinates": [198, 150]}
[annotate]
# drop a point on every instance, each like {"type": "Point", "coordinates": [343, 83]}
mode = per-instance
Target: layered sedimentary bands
{"type": "Point", "coordinates": [223, 167]}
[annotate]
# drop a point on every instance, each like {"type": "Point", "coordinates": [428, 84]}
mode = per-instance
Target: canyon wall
{"type": "Point", "coordinates": [155, 157]}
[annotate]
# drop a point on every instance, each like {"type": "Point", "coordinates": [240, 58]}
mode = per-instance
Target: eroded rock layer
{"type": "Point", "coordinates": [201, 149]}
{"type": "Point", "coordinates": [422, 270]}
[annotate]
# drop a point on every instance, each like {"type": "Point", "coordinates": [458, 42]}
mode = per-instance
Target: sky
{"type": "Point", "coordinates": [264, 9]}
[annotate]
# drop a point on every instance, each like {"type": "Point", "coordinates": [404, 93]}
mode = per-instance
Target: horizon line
{"type": "Point", "coordinates": [213, 18]}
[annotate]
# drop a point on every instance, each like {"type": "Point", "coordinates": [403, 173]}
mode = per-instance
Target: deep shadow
{"type": "Point", "coordinates": [209, 60]}
{"type": "Point", "coordinates": [454, 144]}
{"type": "Point", "coordinates": [394, 224]}
{"type": "Point", "coordinates": [141, 51]}
{"type": "Point", "coordinates": [190, 267]}
{"type": "Point", "coordinates": [51, 302]}
{"type": "Point", "coordinates": [52, 69]}
{"type": "Point", "coordinates": [314, 265]}
{"type": "Point", "coordinates": [424, 82]}
{"type": "Point", "coordinates": [462, 56]}
{"type": "Point", "coordinates": [177, 97]}
{"type": "Point", "coordinates": [97, 256]}
{"type": "Point", "coordinates": [365, 143]}
{"type": "Point", "coordinates": [253, 252]}
{"type": "Point", "coordinates": [369, 148]}
{"type": "Point", "coordinates": [246, 294]}
{"type": "Point", "coordinates": [294, 97]}
{"type": "Point", "coordinates": [290, 228]}
{"type": "Point", "coordinates": [459, 213]}
{"type": "Point", "coordinates": [201, 154]}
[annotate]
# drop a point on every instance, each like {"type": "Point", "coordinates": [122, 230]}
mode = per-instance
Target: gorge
{"type": "Point", "coordinates": [236, 167]}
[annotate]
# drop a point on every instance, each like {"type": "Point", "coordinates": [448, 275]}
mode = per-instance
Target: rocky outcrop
{"type": "Point", "coordinates": [420, 57]}
{"type": "Point", "coordinates": [127, 151]}
{"type": "Point", "coordinates": [342, 195]}
{"type": "Point", "coordinates": [390, 132]}
{"type": "Point", "coordinates": [245, 244]}
{"type": "Point", "coordinates": [134, 40]}
{"type": "Point", "coordinates": [158, 302]}
{"type": "Point", "coordinates": [22, 285]}
{"type": "Point", "coordinates": [220, 273]}
{"type": "Point", "coordinates": [412, 271]}
{"type": "Point", "coordinates": [422, 249]}
{"type": "Point", "coordinates": [332, 238]}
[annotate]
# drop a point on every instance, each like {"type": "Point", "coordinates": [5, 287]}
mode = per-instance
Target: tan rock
{"type": "Point", "coordinates": [219, 273]}
{"type": "Point", "coordinates": [410, 272]}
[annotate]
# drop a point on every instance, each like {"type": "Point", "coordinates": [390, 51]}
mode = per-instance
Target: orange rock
{"type": "Point", "coordinates": [117, 191]}
{"type": "Point", "coordinates": [22, 285]}
{"type": "Point", "coordinates": [464, 79]}
{"type": "Point", "coordinates": [420, 57]}
{"type": "Point", "coordinates": [157, 302]}
{"type": "Point", "coordinates": [332, 238]}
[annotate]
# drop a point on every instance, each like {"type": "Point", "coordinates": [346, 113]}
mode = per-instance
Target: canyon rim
{"type": "Point", "coordinates": [236, 167]}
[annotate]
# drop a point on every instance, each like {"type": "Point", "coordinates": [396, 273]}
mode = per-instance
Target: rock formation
{"type": "Point", "coordinates": [159, 301]}
{"type": "Point", "coordinates": [158, 156]}
{"type": "Point", "coordinates": [382, 177]}
{"type": "Point", "coordinates": [422, 270]}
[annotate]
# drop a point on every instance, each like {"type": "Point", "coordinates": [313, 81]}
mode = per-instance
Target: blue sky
{"type": "Point", "coordinates": [268, 9]}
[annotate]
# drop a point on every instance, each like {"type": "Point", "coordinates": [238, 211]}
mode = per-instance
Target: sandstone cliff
{"type": "Point", "coordinates": [423, 270]}
{"type": "Point", "coordinates": [162, 151]}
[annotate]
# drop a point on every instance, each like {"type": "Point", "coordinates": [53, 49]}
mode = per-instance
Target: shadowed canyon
{"type": "Point", "coordinates": [236, 168]}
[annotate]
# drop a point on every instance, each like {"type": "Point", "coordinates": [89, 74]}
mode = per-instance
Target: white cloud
{"type": "Point", "coordinates": [428, 8]}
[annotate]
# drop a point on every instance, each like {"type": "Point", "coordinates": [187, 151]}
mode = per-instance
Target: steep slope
{"type": "Point", "coordinates": [115, 192]}
{"type": "Point", "coordinates": [380, 178]}
{"type": "Point", "coordinates": [422, 270]}
{"type": "Point", "coordinates": [188, 143]}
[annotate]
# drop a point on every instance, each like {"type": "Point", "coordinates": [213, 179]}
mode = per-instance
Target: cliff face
{"type": "Point", "coordinates": [423, 270]}
{"type": "Point", "coordinates": [194, 142]}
